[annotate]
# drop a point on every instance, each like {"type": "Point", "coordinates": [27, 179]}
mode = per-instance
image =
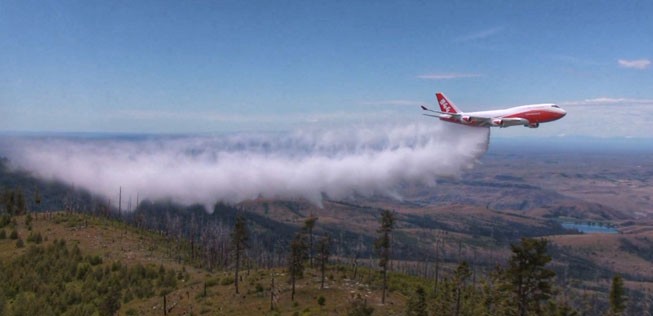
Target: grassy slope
{"type": "Point", "coordinates": [114, 241]}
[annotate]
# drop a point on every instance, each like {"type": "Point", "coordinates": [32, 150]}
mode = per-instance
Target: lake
{"type": "Point", "coordinates": [590, 229]}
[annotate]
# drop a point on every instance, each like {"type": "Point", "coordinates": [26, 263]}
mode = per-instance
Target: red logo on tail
{"type": "Point", "coordinates": [445, 106]}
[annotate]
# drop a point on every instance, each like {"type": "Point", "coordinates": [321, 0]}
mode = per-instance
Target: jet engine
{"type": "Point", "coordinates": [466, 119]}
{"type": "Point", "coordinates": [533, 125]}
{"type": "Point", "coordinates": [497, 122]}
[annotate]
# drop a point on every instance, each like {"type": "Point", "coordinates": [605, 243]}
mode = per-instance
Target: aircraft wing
{"type": "Point", "coordinates": [484, 121]}
{"type": "Point", "coordinates": [444, 115]}
{"type": "Point", "coordinates": [513, 121]}
{"type": "Point", "coordinates": [497, 121]}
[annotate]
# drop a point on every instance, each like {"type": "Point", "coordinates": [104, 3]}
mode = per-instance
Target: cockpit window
{"type": "Point", "coordinates": [555, 106]}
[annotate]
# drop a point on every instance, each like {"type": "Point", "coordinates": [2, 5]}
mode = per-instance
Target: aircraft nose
{"type": "Point", "coordinates": [560, 111]}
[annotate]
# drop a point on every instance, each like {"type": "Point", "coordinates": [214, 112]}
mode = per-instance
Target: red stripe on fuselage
{"type": "Point", "coordinates": [537, 115]}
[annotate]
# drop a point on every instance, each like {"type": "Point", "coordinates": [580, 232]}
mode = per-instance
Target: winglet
{"type": "Point", "coordinates": [424, 108]}
{"type": "Point", "coordinates": [445, 105]}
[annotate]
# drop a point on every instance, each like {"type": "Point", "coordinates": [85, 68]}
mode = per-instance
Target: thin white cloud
{"type": "Point", "coordinates": [447, 76]}
{"type": "Point", "coordinates": [602, 101]}
{"type": "Point", "coordinates": [483, 34]}
{"type": "Point", "coordinates": [392, 102]}
{"type": "Point", "coordinates": [139, 114]}
{"type": "Point", "coordinates": [574, 60]}
{"type": "Point", "coordinates": [608, 117]}
{"type": "Point", "coordinates": [157, 115]}
{"type": "Point", "coordinates": [635, 63]}
{"type": "Point", "coordinates": [270, 120]}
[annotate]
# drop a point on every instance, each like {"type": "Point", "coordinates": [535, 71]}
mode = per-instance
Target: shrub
{"type": "Point", "coordinates": [19, 243]}
{"type": "Point", "coordinates": [14, 234]}
{"type": "Point", "coordinates": [358, 307]}
{"type": "Point", "coordinates": [95, 260]}
{"type": "Point", "coordinates": [227, 281]}
{"type": "Point", "coordinates": [3, 234]}
{"type": "Point", "coordinates": [321, 300]}
{"type": "Point", "coordinates": [35, 238]}
{"type": "Point", "coordinates": [116, 266]}
{"type": "Point", "coordinates": [212, 282]}
{"type": "Point", "coordinates": [167, 279]}
{"type": "Point", "coordinates": [165, 291]}
{"type": "Point", "coordinates": [5, 220]}
{"type": "Point", "coordinates": [82, 270]}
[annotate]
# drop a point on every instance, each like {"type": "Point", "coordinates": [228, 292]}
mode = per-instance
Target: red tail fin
{"type": "Point", "coordinates": [445, 105]}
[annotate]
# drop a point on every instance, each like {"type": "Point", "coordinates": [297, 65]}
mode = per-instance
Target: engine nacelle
{"type": "Point", "coordinates": [497, 122]}
{"type": "Point", "coordinates": [465, 119]}
{"type": "Point", "coordinates": [533, 125]}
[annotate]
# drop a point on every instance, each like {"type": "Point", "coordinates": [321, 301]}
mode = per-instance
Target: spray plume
{"type": "Point", "coordinates": [310, 164]}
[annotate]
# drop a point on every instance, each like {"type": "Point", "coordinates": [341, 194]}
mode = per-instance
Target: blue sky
{"type": "Point", "coordinates": [201, 66]}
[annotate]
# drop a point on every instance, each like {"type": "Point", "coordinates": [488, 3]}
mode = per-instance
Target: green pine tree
{"type": "Point", "coordinates": [617, 296]}
{"type": "Point", "coordinates": [416, 305]}
{"type": "Point", "coordinates": [527, 278]}
{"type": "Point", "coordinates": [460, 278]}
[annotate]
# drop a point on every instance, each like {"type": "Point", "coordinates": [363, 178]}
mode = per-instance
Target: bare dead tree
{"type": "Point", "coordinates": [239, 239]}
{"type": "Point", "coordinates": [382, 246]}
{"type": "Point", "coordinates": [323, 250]}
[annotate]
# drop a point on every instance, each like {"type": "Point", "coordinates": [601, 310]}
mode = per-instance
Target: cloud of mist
{"type": "Point", "coordinates": [635, 64]}
{"type": "Point", "coordinates": [310, 163]}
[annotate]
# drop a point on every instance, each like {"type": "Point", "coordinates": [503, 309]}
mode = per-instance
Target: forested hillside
{"type": "Point", "coordinates": [71, 264]}
{"type": "Point", "coordinates": [133, 261]}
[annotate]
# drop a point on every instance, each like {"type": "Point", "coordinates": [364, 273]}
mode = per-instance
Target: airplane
{"type": "Point", "coordinates": [527, 115]}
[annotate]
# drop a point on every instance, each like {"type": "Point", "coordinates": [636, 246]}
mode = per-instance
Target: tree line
{"type": "Point", "coordinates": [58, 279]}
{"type": "Point", "coordinates": [207, 241]}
